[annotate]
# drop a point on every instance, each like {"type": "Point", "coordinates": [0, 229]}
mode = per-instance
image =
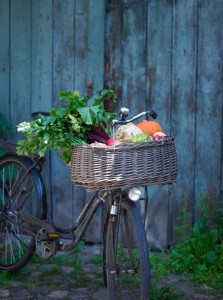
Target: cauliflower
{"type": "Point", "coordinates": [127, 132]}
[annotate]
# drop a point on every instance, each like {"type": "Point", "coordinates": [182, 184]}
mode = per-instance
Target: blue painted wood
{"type": "Point", "coordinates": [159, 53]}
{"type": "Point", "coordinates": [134, 46]}
{"type": "Point", "coordinates": [80, 49]}
{"type": "Point", "coordinates": [63, 47]}
{"type": "Point", "coordinates": [96, 29]}
{"type": "Point", "coordinates": [209, 166]}
{"type": "Point", "coordinates": [20, 64]}
{"type": "Point", "coordinates": [80, 80]}
{"type": "Point", "coordinates": [41, 73]}
{"type": "Point", "coordinates": [159, 62]}
{"type": "Point", "coordinates": [183, 106]}
{"type": "Point", "coordinates": [41, 55]}
{"type": "Point", "coordinates": [4, 59]}
{"type": "Point", "coordinates": [63, 79]}
{"type": "Point", "coordinates": [113, 52]}
{"type": "Point", "coordinates": [95, 78]}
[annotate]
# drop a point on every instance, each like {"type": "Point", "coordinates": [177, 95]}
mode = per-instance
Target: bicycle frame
{"type": "Point", "coordinates": [81, 224]}
{"type": "Point", "coordinates": [26, 229]}
{"type": "Point", "coordinates": [84, 219]}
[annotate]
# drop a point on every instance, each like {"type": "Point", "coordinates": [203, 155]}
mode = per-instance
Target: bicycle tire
{"type": "Point", "coordinates": [16, 195]}
{"type": "Point", "coordinates": [126, 253]}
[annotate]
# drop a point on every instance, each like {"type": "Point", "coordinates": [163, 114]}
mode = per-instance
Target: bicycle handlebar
{"type": "Point", "coordinates": [124, 114]}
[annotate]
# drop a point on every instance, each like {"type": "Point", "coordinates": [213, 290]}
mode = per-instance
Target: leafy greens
{"type": "Point", "coordinates": [67, 126]}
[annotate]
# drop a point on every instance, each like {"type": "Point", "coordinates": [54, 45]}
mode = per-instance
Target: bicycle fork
{"type": "Point", "coordinates": [115, 222]}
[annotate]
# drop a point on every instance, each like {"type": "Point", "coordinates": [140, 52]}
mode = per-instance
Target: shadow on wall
{"type": "Point", "coordinates": [6, 129]}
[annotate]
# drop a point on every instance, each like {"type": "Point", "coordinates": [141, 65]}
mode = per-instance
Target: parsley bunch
{"type": "Point", "coordinates": [66, 126]}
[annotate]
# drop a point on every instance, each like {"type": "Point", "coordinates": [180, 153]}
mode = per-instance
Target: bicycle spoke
{"type": "Point", "coordinates": [19, 193]}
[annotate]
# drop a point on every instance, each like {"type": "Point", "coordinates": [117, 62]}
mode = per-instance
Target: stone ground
{"type": "Point", "coordinates": [51, 281]}
{"type": "Point", "coordinates": [187, 291]}
{"type": "Point", "coordinates": [36, 281]}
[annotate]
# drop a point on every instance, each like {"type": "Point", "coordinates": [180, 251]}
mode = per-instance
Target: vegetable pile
{"type": "Point", "coordinates": [142, 132]}
{"type": "Point", "coordinates": [77, 123]}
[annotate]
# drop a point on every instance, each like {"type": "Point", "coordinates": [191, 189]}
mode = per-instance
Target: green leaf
{"type": "Point", "coordinates": [105, 96]}
{"type": "Point", "coordinates": [45, 121]}
{"type": "Point", "coordinates": [46, 137]}
{"type": "Point", "coordinates": [75, 103]}
{"type": "Point", "coordinates": [61, 112]}
{"type": "Point", "coordinates": [74, 123]}
{"type": "Point", "coordinates": [65, 95]}
{"type": "Point", "coordinates": [52, 119]}
{"type": "Point", "coordinates": [88, 115]}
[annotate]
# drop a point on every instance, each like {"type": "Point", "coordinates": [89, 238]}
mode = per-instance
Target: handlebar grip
{"type": "Point", "coordinates": [124, 112]}
{"type": "Point", "coordinates": [152, 114]}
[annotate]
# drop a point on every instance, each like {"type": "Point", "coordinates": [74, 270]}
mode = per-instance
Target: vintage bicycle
{"type": "Point", "coordinates": [114, 175]}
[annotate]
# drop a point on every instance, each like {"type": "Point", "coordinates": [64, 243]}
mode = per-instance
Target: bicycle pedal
{"type": "Point", "coordinates": [53, 235]}
{"type": "Point", "coordinates": [48, 236]}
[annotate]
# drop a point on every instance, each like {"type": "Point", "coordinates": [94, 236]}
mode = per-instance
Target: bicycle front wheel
{"type": "Point", "coordinates": [127, 265]}
{"type": "Point", "coordinates": [20, 190]}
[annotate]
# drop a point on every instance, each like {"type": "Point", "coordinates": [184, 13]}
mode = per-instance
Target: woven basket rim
{"type": "Point", "coordinates": [125, 146]}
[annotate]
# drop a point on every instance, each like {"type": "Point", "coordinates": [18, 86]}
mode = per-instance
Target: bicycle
{"type": "Point", "coordinates": [25, 229]}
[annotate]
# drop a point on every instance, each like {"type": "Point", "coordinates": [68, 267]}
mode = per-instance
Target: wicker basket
{"type": "Point", "coordinates": [128, 164]}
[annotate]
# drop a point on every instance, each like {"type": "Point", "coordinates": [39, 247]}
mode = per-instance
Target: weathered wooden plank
{"type": "Point", "coordinates": [134, 47]}
{"type": "Point", "coordinates": [4, 58]}
{"type": "Point", "coordinates": [41, 55]}
{"type": "Point", "coordinates": [95, 58]}
{"type": "Point", "coordinates": [159, 57]}
{"type": "Point", "coordinates": [80, 80]}
{"type": "Point", "coordinates": [63, 47]}
{"type": "Point", "coordinates": [134, 57]}
{"type": "Point", "coordinates": [63, 79]}
{"type": "Point", "coordinates": [138, 55]}
{"type": "Point", "coordinates": [80, 50]}
{"type": "Point", "coordinates": [208, 180]}
{"type": "Point", "coordinates": [20, 61]}
{"type": "Point", "coordinates": [95, 75]}
{"type": "Point", "coordinates": [41, 73]}
{"type": "Point", "coordinates": [113, 51]}
{"type": "Point", "coordinates": [183, 106]}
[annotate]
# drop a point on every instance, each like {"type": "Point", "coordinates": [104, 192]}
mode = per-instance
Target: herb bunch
{"type": "Point", "coordinates": [66, 126]}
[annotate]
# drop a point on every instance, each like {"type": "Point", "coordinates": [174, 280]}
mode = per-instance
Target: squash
{"type": "Point", "coordinates": [149, 127]}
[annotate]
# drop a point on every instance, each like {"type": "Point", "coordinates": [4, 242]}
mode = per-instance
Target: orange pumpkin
{"type": "Point", "coordinates": [149, 127]}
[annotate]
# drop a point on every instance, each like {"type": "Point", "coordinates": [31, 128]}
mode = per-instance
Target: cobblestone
{"type": "Point", "coordinates": [40, 284]}
{"type": "Point", "coordinates": [46, 282]}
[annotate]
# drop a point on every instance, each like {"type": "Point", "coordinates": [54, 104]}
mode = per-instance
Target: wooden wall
{"type": "Point", "coordinates": [160, 54]}
{"type": "Point", "coordinates": [168, 55]}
